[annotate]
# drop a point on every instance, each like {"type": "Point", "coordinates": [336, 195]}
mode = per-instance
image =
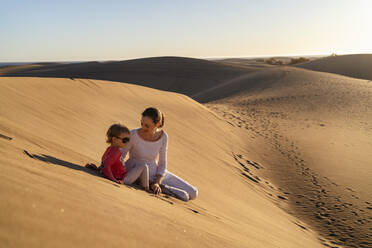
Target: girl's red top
{"type": "Point", "coordinates": [112, 166]}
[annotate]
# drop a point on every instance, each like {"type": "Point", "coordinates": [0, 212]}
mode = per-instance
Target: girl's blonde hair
{"type": "Point", "coordinates": [115, 130]}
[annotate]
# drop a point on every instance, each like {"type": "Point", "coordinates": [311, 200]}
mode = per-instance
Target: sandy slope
{"type": "Point", "coordinates": [50, 127]}
{"type": "Point", "coordinates": [318, 130]}
{"type": "Point", "coordinates": [354, 65]}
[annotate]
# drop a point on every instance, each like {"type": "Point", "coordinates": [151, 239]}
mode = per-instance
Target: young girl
{"type": "Point", "coordinates": [111, 167]}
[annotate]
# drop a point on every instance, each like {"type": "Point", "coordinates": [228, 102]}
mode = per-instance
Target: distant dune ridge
{"type": "Point", "coordinates": [354, 65]}
{"type": "Point", "coordinates": [281, 155]}
{"type": "Point", "coordinates": [183, 75]}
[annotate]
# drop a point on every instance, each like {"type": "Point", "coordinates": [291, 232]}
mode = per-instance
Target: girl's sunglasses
{"type": "Point", "coordinates": [124, 140]}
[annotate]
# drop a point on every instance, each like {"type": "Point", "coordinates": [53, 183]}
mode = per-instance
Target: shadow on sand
{"type": "Point", "coordinates": [52, 160]}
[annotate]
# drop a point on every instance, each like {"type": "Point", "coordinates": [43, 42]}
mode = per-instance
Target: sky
{"type": "Point", "coordinates": [79, 30]}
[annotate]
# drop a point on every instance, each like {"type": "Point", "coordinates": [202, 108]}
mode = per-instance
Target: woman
{"type": "Point", "coordinates": [146, 144]}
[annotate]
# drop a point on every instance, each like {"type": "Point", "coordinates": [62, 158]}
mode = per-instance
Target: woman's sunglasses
{"type": "Point", "coordinates": [124, 140]}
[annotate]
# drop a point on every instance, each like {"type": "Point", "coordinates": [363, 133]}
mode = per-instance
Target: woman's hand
{"type": "Point", "coordinates": [156, 188]}
{"type": "Point", "coordinates": [119, 182]}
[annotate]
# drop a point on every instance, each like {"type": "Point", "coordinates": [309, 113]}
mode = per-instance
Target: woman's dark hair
{"type": "Point", "coordinates": [115, 130]}
{"type": "Point", "coordinates": [155, 115]}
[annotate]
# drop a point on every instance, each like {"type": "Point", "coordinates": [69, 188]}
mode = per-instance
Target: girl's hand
{"type": "Point", "coordinates": [91, 166]}
{"type": "Point", "coordinates": [156, 188]}
{"type": "Point", "coordinates": [119, 182]}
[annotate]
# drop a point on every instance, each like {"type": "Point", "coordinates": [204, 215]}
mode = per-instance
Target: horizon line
{"type": "Point", "coordinates": [202, 57]}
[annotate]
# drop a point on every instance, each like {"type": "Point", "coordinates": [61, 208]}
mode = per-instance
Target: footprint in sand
{"type": "Point", "coordinates": [350, 189]}
{"type": "Point", "coordinates": [5, 137]}
{"type": "Point", "coordinates": [355, 213]}
{"type": "Point", "coordinates": [254, 164]}
{"type": "Point", "coordinates": [163, 198]}
{"type": "Point", "coordinates": [250, 178]}
{"type": "Point", "coordinates": [195, 211]}
{"type": "Point", "coordinates": [319, 204]}
{"type": "Point", "coordinates": [27, 153]}
{"type": "Point", "coordinates": [298, 224]}
{"type": "Point", "coordinates": [354, 196]}
{"type": "Point", "coordinates": [282, 197]}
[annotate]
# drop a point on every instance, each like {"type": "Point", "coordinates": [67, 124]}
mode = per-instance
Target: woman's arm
{"type": "Point", "coordinates": [156, 185]}
{"type": "Point", "coordinates": [158, 179]}
{"type": "Point", "coordinates": [162, 163]}
{"type": "Point", "coordinates": [125, 150]}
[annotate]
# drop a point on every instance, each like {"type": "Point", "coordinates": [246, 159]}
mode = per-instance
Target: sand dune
{"type": "Point", "coordinates": [177, 74]}
{"type": "Point", "coordinates": [318, 131]}
{"type": "Point", "coordinates": [51, 127]}
{"type": "Point", "coordinates": [355, 65]}
{"type": "Point", "coordinates": [286, 151]}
